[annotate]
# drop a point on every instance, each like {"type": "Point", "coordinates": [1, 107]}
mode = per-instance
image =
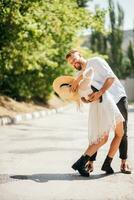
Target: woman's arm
{"type": "Point", "coordinates": [85, 100]}
{"type": "Point", "coordinates": [75, 84]}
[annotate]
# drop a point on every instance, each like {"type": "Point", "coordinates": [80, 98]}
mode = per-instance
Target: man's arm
{"type": "Point", "coordinates": [107, 85]}
{"type": "Point", "coordinates": [96, 95]}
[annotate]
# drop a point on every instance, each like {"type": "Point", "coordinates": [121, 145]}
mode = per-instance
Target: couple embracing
{"type": "Point", "coordinates": [98, 86]}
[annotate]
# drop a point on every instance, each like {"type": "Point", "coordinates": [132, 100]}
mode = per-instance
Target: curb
{"type": "Point", "coordinates": [35, 115]}
{"type": "Point", "coordinates": [28, 116]}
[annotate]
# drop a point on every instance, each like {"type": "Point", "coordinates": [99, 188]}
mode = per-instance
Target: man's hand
{"type": "Point", "coordinates": [85, 100]}
{"type": "Point", "coordinates": [74, 86]}
{"type": "Point", "coordinates": [94, 96]}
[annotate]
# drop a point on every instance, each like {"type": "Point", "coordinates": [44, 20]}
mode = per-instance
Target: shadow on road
{"type": "Point", "coordinates": [41, 178]}
{"type": "Point", "coordinates": [130, 109]}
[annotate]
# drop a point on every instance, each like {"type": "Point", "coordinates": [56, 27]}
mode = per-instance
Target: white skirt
{"type": "Point", "coordinates": [103, 118]}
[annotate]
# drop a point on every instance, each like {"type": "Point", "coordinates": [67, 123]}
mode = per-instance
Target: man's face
{"type": "Point", "coordinates": [75, 61]}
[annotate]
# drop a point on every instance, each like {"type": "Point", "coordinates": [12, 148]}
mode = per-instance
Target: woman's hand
{"type": "Point", "coordinates": [74, 86]}
{"type": "Point", "coordinates": [84, 100]}
{"type": "Point", "coordinates": [94, 96]}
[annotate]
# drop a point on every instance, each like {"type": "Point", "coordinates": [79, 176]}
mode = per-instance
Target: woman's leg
{"type": "Point", "coordinates": [82, 161]}
{"type": "Point", "coordinates": [94, 147]}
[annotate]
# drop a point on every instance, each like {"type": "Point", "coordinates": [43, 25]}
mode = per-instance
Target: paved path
{"type": "Point", "coordinates": [36, 158]}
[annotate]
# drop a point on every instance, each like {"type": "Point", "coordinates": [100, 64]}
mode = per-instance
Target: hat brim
{"type": "Point", "coordinates": [61, 87]}
{"type": "Point", "coordinates": [58, 82]}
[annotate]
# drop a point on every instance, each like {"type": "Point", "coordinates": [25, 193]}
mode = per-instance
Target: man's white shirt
{"type": "Point", "coordinates": [102, 71]}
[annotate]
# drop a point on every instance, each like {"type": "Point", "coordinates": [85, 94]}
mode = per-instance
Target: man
{"type": "Point", "coordinates": [104, 79]}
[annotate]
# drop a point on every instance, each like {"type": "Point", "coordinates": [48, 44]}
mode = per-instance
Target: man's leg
{"type": "Point", "coordinates": [123, 107]}
{"type": "Point", "coordinates": [123, 148]}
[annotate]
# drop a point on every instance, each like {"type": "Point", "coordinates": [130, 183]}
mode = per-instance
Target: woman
{"type": "Point", "coordinates": [104, 116]}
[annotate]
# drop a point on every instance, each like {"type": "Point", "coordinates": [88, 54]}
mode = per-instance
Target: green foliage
{"type": "Point", "coordinates": [98, 42]}
{"type": "Point", "coordinates": [98, 38]}
{"type": "Point", "coordinates": [115, 37]}
{"type": "Point", "coordinates": [126, 67]}
{"type": "Point", "coordinates": [130, 54]}
{"type": "Point", "coordinates": [110, 43]}
{"type": "Point", "coordinates": [35, 35]}
{"type": "Point", "coordinates": [82, 3]}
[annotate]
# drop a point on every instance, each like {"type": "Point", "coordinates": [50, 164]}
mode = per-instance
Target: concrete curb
{"type": "Point", "coordinates": [36, 114]}
{"type": "Point", "coordinates": [28, 116]}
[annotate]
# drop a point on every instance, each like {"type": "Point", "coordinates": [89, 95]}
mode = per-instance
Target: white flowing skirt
{"type": "Point", "coordinates": [103, 118]}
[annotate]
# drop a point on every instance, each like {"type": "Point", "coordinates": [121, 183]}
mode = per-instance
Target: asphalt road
{"type": "Point", "coordinates": [36, 158]}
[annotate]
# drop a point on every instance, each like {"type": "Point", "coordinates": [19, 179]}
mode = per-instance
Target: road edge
{"type": "Point", "coordinates": [32, 115]}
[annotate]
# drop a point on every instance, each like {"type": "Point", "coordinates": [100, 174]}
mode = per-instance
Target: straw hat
{"type": "Point", "coordinates": [61, 86]}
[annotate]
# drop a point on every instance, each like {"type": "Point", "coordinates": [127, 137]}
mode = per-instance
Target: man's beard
{"type": "Point", "coordinates": [79, 68]}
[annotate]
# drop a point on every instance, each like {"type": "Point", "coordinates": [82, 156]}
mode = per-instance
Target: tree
{"type": "Point", "coordinates": [34, 38]}
{"type": "Point", "coordinates": [110, 42]}
{"type": "Point", "coordinates": [130, 53]}
{"type": "Point", "coordinates": [98, 39]}
{"type": "Point", "coordinates": [115, 37]}
{"type": "Point", "coordinates": [98, 42]}
{"type": "Point", "coordinates": [82, 3]}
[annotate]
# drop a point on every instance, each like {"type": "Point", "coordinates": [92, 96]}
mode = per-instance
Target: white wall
{"type": "Point", "coordinates": [128, 84]}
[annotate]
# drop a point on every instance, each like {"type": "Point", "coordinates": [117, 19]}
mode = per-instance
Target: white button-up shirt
{"type": "Point", "coordinates": [102, 71]}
